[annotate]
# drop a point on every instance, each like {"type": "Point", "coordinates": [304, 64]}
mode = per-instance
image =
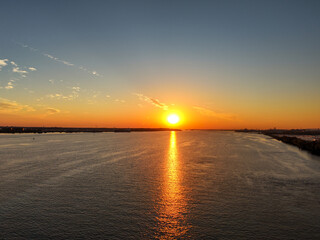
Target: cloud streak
{"type": "Point", "coordinates": [58, 60]}
{"type": "Point", "coordinates": [74, 94]}
{"type": "Point", "coordinates": [92, 72]}
{"type": "Point", "coordinates": [155, 102]}
{"type": "Point", "coordinates": [12, 106]}
{"type": "Point", "coordinates": [52, 111]}
{"type": "Point", "coordinates": [211, 113]}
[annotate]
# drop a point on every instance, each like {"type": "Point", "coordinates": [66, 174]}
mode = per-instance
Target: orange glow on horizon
{"type": "Point", "coordinates": [148, 116]}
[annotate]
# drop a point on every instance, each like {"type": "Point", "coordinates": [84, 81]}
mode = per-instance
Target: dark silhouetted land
{"type": "Point", "coordinates": [294, 137]}
{"type": "Point", "coordinates": [75, 130]}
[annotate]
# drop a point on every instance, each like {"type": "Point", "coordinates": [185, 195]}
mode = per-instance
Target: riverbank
{"type": "Point", "coordinates": [75, 130]}
{"type": "Point", "coordinates": [310, 146]}
{"type": "Point", "coordinates": [293, 137]}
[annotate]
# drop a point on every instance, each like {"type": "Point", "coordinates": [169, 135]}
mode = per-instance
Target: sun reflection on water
{"type": "Point", "coordinates": [172, 212]}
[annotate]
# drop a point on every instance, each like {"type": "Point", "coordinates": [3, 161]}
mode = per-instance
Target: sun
{"type": "Point", "coordinates": [173, 118]}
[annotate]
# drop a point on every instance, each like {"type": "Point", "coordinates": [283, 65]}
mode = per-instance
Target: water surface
{"type": "Point", "coordinates": [157, 185]}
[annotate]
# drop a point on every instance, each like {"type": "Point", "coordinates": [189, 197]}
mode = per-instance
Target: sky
{"type": "Point", "coordinates": [217, 64]}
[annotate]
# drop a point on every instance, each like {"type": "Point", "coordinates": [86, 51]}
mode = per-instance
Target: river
{"type": "Point", "coordinates": [157, 185]}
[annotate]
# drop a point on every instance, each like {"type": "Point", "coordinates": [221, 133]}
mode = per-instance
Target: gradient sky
{"type": "Point", "coordinates": [219, 64]}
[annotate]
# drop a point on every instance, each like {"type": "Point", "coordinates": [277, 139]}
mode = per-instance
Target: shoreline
{"type": "Point", "coordinates": [40, 130]}
{"type": "Point", "coordinates": [309, 146]}
{"type": "Point", "coordinates": [290, 137]}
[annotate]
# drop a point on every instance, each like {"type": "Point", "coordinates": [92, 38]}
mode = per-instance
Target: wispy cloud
{"type": "Point", "coordinates": [15, 67]}
{"type": "Point", "coordinates": [3, 63]}
{"type": "Point", "coordinates": [76, 89]}
{"type": "Point", "coordinates": [21, 72]}
{"type": "Point", "coordinates": [119, 100]}
{"type": "Point", "coordinates": [12, 106]}
{"type": "Point", "coordinates": [94, 73]}
{"type": "Point", "coordinates": [56, 59]}
{"type": "Point", "coordinates": [61, 96]}
{"type": "Point", "coordinates": [26, 46]}
{"type": "Point", "coordinates": [211, 113]}
{"type": "Point", "coordinates": [9, 85]}
{"type": "Point", "coordinates": [155, 102]}
{"type": "Point", "coordinates": [13, 63]}
{"type": "Point", "coordinates": [74, 94]}
{"type": "Point", "coordinates": [52, 111]}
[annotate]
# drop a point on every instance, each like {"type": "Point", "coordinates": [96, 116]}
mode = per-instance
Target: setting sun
{"type": "Point", "coordinates": [173, 118]}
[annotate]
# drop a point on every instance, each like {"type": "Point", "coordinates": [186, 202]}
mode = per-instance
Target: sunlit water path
{"type": "Point", "coordinates": [157, 185]}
